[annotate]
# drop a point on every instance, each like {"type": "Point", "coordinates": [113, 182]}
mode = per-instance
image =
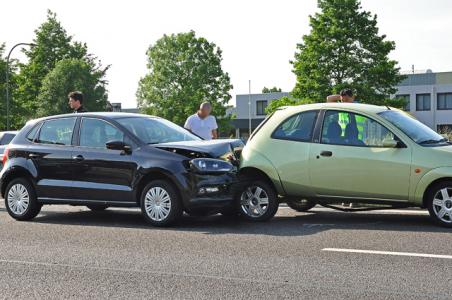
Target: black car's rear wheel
{"type": "Point", "coordinates": [97, 207]}
{"type": "Point", "coordinates": [20, 200]}
{"type": "Point", "coordinates": [300, 205]}
{"type": "Point", "coordinates": [160, 203]}
{"type": "Point", "coordinates": [439, 203]}
{"type": "Point", "coordinates": [258, 201]}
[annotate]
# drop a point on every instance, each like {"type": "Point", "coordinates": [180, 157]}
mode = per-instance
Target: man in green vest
{"type": "Point", "coordinates": [346, 96]}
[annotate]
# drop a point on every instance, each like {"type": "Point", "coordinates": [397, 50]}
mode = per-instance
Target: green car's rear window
{"type": "Point", "coordinates": [298, 127]}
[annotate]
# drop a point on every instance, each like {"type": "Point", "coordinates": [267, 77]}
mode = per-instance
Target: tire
{"type": "Point", "coordinates": [439, 203]}
{"type": "Point", "coordinates": [160, 203]}
{"type": "Point", "coordinates": [20, 200]}
{"type": "Point", "coordinates": [97, 207]}
{"type": "Point", "coordinates": [253, 209]}
{"type": "Point", "coordinates": [301, 205]}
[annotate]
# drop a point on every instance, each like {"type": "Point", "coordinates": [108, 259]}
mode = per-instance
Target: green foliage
{"type": "Point", "coordinates": [395, 102]}
{"type": "Point", "coordinates": [285, 101]}
{"type": "Point", "coordinates": [70, 75]}
{"type": "Point", "coordinates": [12, 86]}
{"type": "Point", "coordinates": [52, 44]}
{"type": "Point", "coordinates": [184, 71]}
{"type": "Point", "coordinates": [274, 89]}
{"type": "Point", "coordinates": [344, 49]}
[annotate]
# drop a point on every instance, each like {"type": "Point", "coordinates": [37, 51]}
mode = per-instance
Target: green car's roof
{"type": "Point", "coordinates": [366, 108]}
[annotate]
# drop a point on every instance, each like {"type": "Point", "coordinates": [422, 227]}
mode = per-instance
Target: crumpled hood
{"type": "Point", "coordinates": [213, 148]}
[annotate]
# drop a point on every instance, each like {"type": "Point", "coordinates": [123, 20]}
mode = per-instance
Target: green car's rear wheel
{"type": "Point", "coordinates": [97, 207]}
{"type": "Point", "coordinates": [300, 205]}
{"type": "Point", "coordinates": [258, 201]}
{"type": "Point", "coordinates": [439, 203]}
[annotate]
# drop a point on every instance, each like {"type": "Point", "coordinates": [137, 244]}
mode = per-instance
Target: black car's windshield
{"type": "Point", "coordinates": [156, 131]}
{"type": "Point", "coordinates": [417, 131]}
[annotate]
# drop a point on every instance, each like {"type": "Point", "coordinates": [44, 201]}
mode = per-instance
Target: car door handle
{"type": "Point", "coordinates": [326, 153]}
{"type": "Point", "coordinates": [33, 155]}
{"type": "Point", "coordinates": [78, 158]}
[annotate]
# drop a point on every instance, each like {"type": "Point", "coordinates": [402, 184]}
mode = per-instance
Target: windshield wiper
{"type": "Point", "coordinates": [433, 141]}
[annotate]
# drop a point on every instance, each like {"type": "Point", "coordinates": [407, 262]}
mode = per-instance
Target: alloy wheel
{"type": "Point", "coordinates": [254, 201]}
{"type": "Point", "coordinates": [442, 205]}
{"type": "Point", "coordinates": [18, 199]}
{"type": "Point", "coordinates": [157, 203]}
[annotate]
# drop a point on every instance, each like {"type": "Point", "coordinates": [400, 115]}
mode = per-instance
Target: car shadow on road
{"type": "Point", "coordinates": [298, 224]}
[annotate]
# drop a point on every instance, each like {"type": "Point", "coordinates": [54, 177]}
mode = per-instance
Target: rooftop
{"type": "Point", "coordinates": [427, 78]}
{"type": "Point", "coordinates": [368, 108]}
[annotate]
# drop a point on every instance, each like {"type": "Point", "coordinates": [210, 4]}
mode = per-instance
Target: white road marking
{"type": "Point", "coordinates": [388, 253]}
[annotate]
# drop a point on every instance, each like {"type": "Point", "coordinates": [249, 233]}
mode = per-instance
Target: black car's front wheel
{"type": "Point", "coordinates": [439, 203]}
{"type": "Point", "coordinates": [258, 201]}
{"type": "Point", "coordinates": [160, 203]}
{"type": "Point", "coordinates": [20, 200]}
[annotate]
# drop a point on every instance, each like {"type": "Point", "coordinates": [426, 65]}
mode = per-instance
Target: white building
{"type": "Point", "coordinates": [430, 98]}
{"type": "Point", "coordinates": [252, 106]}
{"type": "Point", "coordinates": [429, 95]}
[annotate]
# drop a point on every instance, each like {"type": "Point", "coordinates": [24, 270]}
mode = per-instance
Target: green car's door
{"type": "Point", "coordinates": [351, 161]}
{"type": "Point", "coordinates": [288, 150]}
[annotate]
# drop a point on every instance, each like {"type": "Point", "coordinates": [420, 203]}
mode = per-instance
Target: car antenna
{"type": "Point", "coordinates": [388, 107]}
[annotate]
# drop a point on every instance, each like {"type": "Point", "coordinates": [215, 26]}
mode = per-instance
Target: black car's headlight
{"type": "Point", "coordinates": [210, 166]}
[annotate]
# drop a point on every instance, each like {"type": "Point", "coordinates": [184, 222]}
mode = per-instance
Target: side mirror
{"type": "Point", "coordinates": [390, 143]}
{"type": "Point", "coordinates": [118, 145]}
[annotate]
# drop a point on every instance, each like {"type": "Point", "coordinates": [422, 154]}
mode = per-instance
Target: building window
{"type": "Point", "coordinates": [406, 98]}
{"type": "Point", "coordinates": [422, 102]}
{"type": "Point", "coordinates": [444, 129]}
{"type": "Point", "coordinates": [260, 107]}
{"type": "Point", "coordinates": [444, 101]}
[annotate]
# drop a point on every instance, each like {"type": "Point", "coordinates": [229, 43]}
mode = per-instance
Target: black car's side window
{"type": "Point", "coordinates": [57, 131]}
{"type": "Point", "coordinates": [298, 127]}
{"type": "Point", "coordinates": [32, 134]}
{"type": "Point", "coordinates": [349, 129]}
{"type": "Point", "coordinates": [95, 133]}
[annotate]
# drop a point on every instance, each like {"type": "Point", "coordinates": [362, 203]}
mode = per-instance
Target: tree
{"type": "Point", "coordinates": [274, 89]}
{"type": "Point", "coordinates": [52, 44]}
{"type": "Point", "coordinates": [2, 88]}
{"type": "Point", "coordinates": [70, 75]}
{"type": "Point", "coordinates": [184, 71]}
{"type": "Point", "coordinates": [344, 49]}
{"type": "Point", "coordinates": [285, 101]}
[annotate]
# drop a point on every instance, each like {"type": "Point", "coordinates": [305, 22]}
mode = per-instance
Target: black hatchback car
{"type": "Point", "coordinates": [118, 159]}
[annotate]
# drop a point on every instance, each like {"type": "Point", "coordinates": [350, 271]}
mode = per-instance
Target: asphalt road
{"type": "Point", "coordinates": [70, 252]}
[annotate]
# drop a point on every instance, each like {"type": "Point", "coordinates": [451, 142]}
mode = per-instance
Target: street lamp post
{"type": "Point", "coordinates": [249, 108]}
{"type": "Point", "coordinates": [7, 79]}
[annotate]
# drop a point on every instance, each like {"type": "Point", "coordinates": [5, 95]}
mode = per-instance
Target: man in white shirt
{"type": "Point", "coordinates": [202, 123]}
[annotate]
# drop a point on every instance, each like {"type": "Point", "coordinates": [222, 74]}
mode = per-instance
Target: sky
{"type": "Point", "coordinates": [258, 38]}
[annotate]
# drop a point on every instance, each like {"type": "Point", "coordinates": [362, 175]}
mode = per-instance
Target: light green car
{"type": "Point", "coordinates": [331, 153]}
